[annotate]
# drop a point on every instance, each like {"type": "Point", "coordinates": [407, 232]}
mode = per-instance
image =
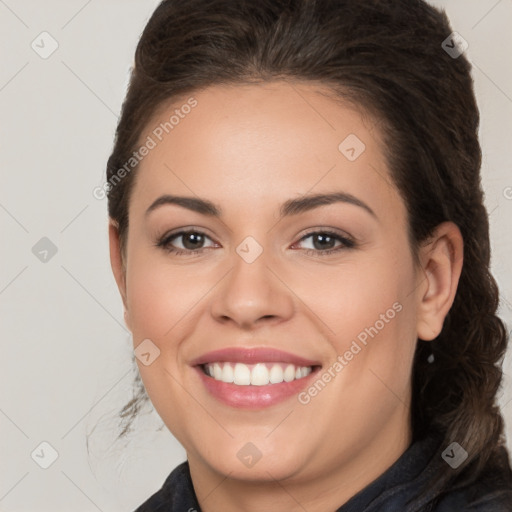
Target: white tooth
{"type": "Point", "coordinates": [259, 375]}
{"type": "Point", "coordinates": [242, 375]}
{"type": "Point", "coordinates": [217, 371]}
{"type": "Point", "coordinates": [289, 373]}
{"type": "Point", "coordinates": [227, 373]}
{"type": "Point", "coordinates": [276, 374]}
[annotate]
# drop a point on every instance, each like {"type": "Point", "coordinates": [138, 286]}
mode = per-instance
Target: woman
{"type": "Point", "coordinates": [299, 239]}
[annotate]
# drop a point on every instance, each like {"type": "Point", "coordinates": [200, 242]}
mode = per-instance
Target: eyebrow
{"type": "Point", "coordinates": [288, 208]}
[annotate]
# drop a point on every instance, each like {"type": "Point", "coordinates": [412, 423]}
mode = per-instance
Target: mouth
{"type": "Point", "coordinates": [254, 378]}
{"type": "Point", "coordinates": [259, 374]}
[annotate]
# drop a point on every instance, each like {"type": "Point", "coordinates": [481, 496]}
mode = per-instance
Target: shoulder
{"type": "Point", "coordinates": [461, 501]}
{"type": "Point", "coordinates": [176, 493]}
{"type": "Point", "coordinates": [490, 492]}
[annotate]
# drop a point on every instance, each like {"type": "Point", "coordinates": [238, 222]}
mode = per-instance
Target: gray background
{"type": "Point", "coordinates": [66, 355]}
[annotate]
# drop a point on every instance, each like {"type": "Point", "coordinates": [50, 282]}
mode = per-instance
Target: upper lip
{"type": "Point", "coordinates": [252, 356]}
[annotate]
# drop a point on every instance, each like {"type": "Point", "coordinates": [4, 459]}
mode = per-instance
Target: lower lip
{"type": "Point", "coordinates": [254, 397]}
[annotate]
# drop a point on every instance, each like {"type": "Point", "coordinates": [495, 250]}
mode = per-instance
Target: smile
{"type": "Point", "coordinates": [254, 378]}
{"type": "Point", "coordinates": [259, 374]}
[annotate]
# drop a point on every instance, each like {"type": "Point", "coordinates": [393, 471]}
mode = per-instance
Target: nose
{"type": "Point", "coordinates": [252, 294]}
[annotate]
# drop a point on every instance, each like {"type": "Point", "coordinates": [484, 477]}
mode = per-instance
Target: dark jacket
{"type": "Point", "coordinates": [396, 490]}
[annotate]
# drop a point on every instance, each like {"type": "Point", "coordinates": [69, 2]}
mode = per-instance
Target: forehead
{"type": "Point", "coordinates": [262, 143]}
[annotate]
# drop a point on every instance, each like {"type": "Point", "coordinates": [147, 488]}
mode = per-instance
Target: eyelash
{"type": "Point", "coordinates": [165, 241]}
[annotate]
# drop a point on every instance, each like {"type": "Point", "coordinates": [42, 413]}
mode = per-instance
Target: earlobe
{"type": "Point", "coordinates": [117, 264]}
{"type": "Point", "coordinates": [441, 261]}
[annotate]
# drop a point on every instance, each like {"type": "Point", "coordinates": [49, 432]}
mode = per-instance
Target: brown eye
{"type": "Point", "coordinates": [192, 240]}
{"type": "Point", "coordinates": [184, 242]}
{"type": "Point", "coordinates": [322, 241]}
{"type": "Point", "coordinates": [325, 242]}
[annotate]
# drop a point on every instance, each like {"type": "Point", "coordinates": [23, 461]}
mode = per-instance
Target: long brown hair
{"type": "Point", "coordinates": [388, 58]}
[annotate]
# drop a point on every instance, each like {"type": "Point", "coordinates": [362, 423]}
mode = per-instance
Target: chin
{"type": "Point", "coordinates": [244, 461]}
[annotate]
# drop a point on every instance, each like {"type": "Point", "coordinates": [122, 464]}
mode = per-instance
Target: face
{"type": "Point", "coordinates": [275, 310]}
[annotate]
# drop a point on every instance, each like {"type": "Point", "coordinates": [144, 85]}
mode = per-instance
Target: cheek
{"type": "Point", "coordinates": [369, 312]}
{"type": "Point", "coordinates": [161, 298]}
{"type": "Point", "coordinates": [357, 294]}
{"type": "Point", "coordinates": [148, 304]}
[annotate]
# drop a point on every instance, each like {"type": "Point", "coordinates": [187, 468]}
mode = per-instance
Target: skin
{"type": "Point", "coordinates": [248, 149]}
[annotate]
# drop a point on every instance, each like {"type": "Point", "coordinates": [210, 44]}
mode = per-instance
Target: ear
{"type": "Point", "coordinates": [441, 261]}
{"type": "Point", "coordinates": [118, 266]}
